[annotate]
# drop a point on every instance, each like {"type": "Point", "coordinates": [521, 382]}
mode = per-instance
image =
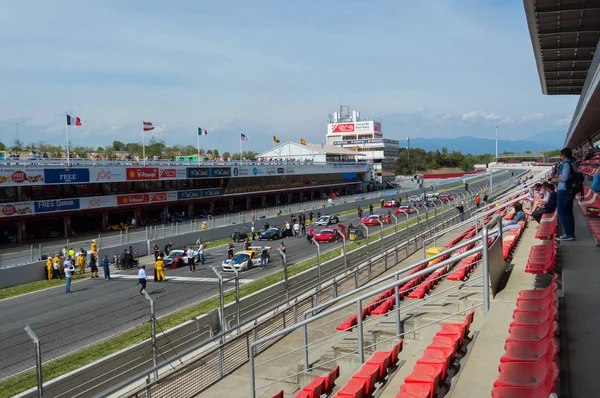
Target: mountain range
{"type": "Point", "coordinates": [536, 143]}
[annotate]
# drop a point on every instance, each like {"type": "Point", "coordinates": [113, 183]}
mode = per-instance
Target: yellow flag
{"type": "Point", "coordinates": [276, 140]}
{"type": "Point", "coordinates": [302, 141]}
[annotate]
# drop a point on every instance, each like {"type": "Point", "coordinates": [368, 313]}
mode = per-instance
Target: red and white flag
{"type": "Point", "coordinates": [148, 126]}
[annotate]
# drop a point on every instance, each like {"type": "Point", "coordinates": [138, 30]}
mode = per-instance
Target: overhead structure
{"type": "Point", "coordinates": [316, 153]}
{"type": "Point", "coordinates": [565, 36]}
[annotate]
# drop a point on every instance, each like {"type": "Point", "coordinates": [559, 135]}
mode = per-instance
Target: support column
{"type": "Point", "coordinates": [289, 198]}
{"type": "Point", "coordinates": [212, 208]}
{"type": "Point", "coordinates": [105, 220]}
{"type": "Point", "coordinates": [67, 223]}
{"type": "Point", "coordinates": [191, 211]}
{"type": "Point", "coordinates": [264, 201]}
{"type": "Point", "coordinates": [22, 235]}
{"type": "Point", "coordinates": [248, 203]}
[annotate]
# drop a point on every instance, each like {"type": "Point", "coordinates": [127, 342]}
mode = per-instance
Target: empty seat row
{"type": "Point", "coordinates": [542, 258]}
{"type": "Point", "coordinates": [432, 368]}
{"type": "Point", "coordinates": [375, 370]}
{"type": "Point", "coordinates": [528, 367]}
{"type": "Point", "coordinates": [320, 385]}
{"type": "Point", "coordinates": [590, 203]}
{"type": "Point", "coordinates": [510, 240]}
{"type": "Point", "coordinates": [466, 266]}
{"type": "Point", "coordinates": [547, 228]}
{"type": "Point", "coordinates": [591, 171]}
{"type": "Point", "coordinates": [595, 227]}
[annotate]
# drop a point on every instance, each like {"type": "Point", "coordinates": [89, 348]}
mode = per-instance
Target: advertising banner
{"type": "Point", "coordinates": [141, 173]}
{"type": "Point", "coordinates": [212, 192]}
{"type": "Point", "coordinates": [46, 206]}
{"type": "Point", "coordinates": [341, 128]}
{"type": "Point", "coordinates": [66, 176]}
{"type": "Point", "coordinates": [172, 173]}
{"type": "Point", "coordinates": [16, 209]}
{"type": "Point", "coordinates": [158, 197]}
{"type": "Point", "coordinates": [98, 202]}
{"type": "Point", "coordinates": [377, 127]}
{"type": "Point", "coordinates": [197, 172]}
{"type": "Point", "coordinates": [12, 177]}
{"type": "Point", "coordinates": [107, 174]}
{"type": "Point", "coordinates": [182, 195]}
{"type": "Point", "coordinates": [244, 171]}
{"type": "Point", "coordinates": [363, 127]}
{"type": "Point", "coordinates": [220, 172]}
{"type": "Point", "coordinates": [132, 199]}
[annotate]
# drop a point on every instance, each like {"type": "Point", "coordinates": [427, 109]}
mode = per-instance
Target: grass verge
{"type": "Point", "coordinates": [13, 291]}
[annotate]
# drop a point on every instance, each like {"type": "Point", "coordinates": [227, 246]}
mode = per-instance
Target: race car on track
{"type": "Point", "coordinates": [271, 234]}
{"type": "Point", "coordinates": [414, 198]}
{"type": "Point", "coordinates": [374, 220]}
{"type": "Point", "coordinates": [405, 210]}
{"type": "Point", "coordinates": [390, 203]}
{"type": "Point", "coordinates": [446, 197]}
{"type": "Point", "coordinates": [245, 259]}
{"type": "Point", "coordinates": [327, 220]}
{"type": "Point", "coordinates": [327, 235]}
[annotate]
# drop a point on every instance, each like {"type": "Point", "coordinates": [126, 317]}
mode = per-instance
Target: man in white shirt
{"type": "Point", "coordinates": [201, 253]}
{"type": "Point", "coordinates": [253, 230]}
{"type": "Point", "coordinates": [69, 270]}
{"type": "Point", "coordinates": [142, 278]}
{"type": "Point", "coordinates": [297, 229]}
{"type": "Point", "coordinates": [56, 267]}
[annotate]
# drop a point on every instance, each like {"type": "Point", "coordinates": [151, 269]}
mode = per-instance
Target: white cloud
{"type": "Point", "coordinates": [470, 116]}
{"type": "Point", "coordinates": [492, 116]}
{"type": "Point", "coordinates": [565, 121]}
{"type": "Point", "coordinates": [533, 116]}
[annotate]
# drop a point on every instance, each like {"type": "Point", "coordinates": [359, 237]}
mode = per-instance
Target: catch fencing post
{"type": "Point", "coordinates": [237, 299]}
{"type": "Point", "coordinates": [367, 237]}
{"type": "Point", "coordinates": [38, 360]}
{"type": "Point", "coordinates": [359, 328]}
{"type": "Point", "coordinates": [285, 274]}
{"type": "Point", "coordinates": [399, 328]}
{"type": "Point", "coordinates": [153, 331]}
{"type": "Point", "coordinates": [381, 225]}
{"type": "Point", "coordinates": [221, 301]}
{"type": "Point", "coordinates": [31, 252]}
{"type": "Point", "coordinates": [396, 238]}
{"type": "Point", "coordinates": [318, 263]}
{"type": "Point", "coordinates": [344, 252]}
{"type": "Point", "coordinates": [486, 268]}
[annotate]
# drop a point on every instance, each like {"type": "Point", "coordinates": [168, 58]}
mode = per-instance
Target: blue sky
{"type": "Point", "coordinates": [427, 68]}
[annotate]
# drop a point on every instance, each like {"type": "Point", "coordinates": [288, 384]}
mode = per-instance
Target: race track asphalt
{"type": "Point", "coordinates": [100, 308]}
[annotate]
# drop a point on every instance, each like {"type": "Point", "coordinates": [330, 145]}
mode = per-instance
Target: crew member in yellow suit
{"type": "Point", "coordinates": [81, 263]}
{"type": "Point", "coordinates": [160, 269]}
{"type": "Point", "coordinates": [94, 246]}
{"type": "Point", "coordinates": [58, 259]}
{"type": "Point", "coordinates": [49, 266]}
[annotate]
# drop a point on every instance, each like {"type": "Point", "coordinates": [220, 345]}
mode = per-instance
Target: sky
{"type": "Point", "coordinates": [429, 68]}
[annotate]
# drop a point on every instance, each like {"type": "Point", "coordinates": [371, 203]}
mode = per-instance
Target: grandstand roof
{"type": "Point", "coordinates": [296, 150]}
{"type": "Point", "coordinates": [564, 34]}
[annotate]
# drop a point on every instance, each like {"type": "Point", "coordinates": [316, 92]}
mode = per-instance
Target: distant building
{"type": "Point", "coordinates": [347, 130]}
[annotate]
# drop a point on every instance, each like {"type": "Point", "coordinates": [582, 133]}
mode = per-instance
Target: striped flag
{"type": "Point", "coordinates": [243, 137]}
{"type": "Point", "coordinates": [148, 126]}
{"type": "Point", "coordinates": [73, 121]}
{"type": "Point", "coordinates": [202, 132]}
{"type": "Point", "coordinates": [302, 141]}
{"type": "Point", "coordinates": [276, 140]}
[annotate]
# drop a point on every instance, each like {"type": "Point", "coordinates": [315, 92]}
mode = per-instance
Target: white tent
{"type": "Point", "coordinates": [316, 153]}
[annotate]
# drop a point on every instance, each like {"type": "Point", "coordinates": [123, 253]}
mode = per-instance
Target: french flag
{"type": "Point", "coordinates": [73, 121]}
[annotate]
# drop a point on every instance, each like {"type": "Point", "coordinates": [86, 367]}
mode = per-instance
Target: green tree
{"type": "Point", "coordinates": [209, 152]}
{"type": "Point", "coordinates": [155, 147]}
{"type": "Point", "coordinates": [17, 145]}
{"type": "Point", "coordinates": [99, 149]}
{"type": "Point", "coordinates": [2, 146]}
{"type": "Point", "coordinates": [118, 146]}
{"type": "Point", "coordinates": [216, 153]}
{"type": "Point", "coordinates": [226, 155]}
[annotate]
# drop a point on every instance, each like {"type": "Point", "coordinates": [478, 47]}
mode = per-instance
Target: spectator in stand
{"type": "Point", "coordinates": [477, 201]}
{"type": "Point", "coordinates": [461, 211]}
{"type": "Point", "coordinates": [565, 199]}
{"type": "Point", "coordinates": [547, 204]}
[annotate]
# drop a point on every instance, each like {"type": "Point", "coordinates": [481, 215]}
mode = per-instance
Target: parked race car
{"type": "Point", "coordinates": [327, 220]}
{"type": "Point", "coordinates": [414, 198]}
{"type": "Point", "coordinates": [271, 234]}
{"type": "Point", "coordinates": [245, 259]}
{"type": "Point", "coordinates": [327, 235]}
{"type": "Point", "coordinates": [405, 210]}
{"type": "Point", "coordinates": [374, 220]}
{"type": "Point", "coordinates": [390, 204]}
{"type": "Point", "coordinates": [174, 259]}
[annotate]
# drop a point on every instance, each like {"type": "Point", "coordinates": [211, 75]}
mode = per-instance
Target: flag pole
{"type": "Point", "coordinates": [198, 147]}
{"type": "Point", "coordinates": [240, 147]}
{"type": "Point", "coordinates": [143, 143]}
{"type": "Point", "coordinates": [67, 134]}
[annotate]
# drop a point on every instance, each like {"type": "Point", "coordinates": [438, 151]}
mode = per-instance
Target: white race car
{"type": "Point", "coordinates": [245, 259]}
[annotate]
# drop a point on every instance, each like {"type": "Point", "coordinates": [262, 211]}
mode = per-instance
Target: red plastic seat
{"type": "Point", "coordinates": [429, 375]}
{"type": "Point", "coordinates": [433, 356]}
{"type": "Point", "coordinates": [447, 341]}
{"type": "Point", "coordinates": [354, 388]}
{"type": "Point", "coordinates": [370, 374]}
{"type": "Point", "coordinates": [525, 318]}
{"type": "Point", "coordinates": [539, 294]}
{"type": "Point", "coordinates": [538, 376]}
{"type": "Point", "coordinates": [546, 349]}
{"type": "Point", "coordinates": [532, 333]}
{"type": "Point", "coordinates": [414, 390]}
{"type": "Point", "coordinates": [314, 389]}
{"type": "Point", "coordinates": [396, 349]}
{"type": "Point", "coordinates": [536, 305]}
{"type": "Point", "coordinates": [383, 360]}
{"type": "Point", "coordinates": [278, 395]}
{"type": "Point", "coordinates": [330, 379]}
{"type": "Point", "coordinates": [347, 325]}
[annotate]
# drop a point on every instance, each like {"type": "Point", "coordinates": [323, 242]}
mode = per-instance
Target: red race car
{"type": "Point", "coordinates": [390, 203]}
{"type": "Point", "coordinates": [447, 197]}
{"type": "Point", "coordinates": [373, 220]}
{"type": "Point", "coordinates": [327, 235]}
{"type": "Point", "coordinates": [405, 210]}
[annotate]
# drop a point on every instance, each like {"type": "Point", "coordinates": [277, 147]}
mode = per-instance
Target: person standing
{"type": "Point", "coordinates": [142, 278]}
{"type": "Point", "coordinates": [477, 201]}
{"type": "Point", "coordinates": [191, 255]}
{"type": "Point", "coordinates": [461, 211]}
{"type": "Point", "coordinates": [485, 198]}
{"type": "Point", "coordinates": [282, 247]}
{"type": "Point", "coordinates": [81, 262]}
{"type": "Point", "coordinates": [56, 268]}
{"type": "Point", "coordinates": [371, 209]}
{"type": "Point", "coordinates": [263, 257]}
{"type": "Point", "coordinates": [253, 230]}
{"type": "Point", "coordinates": [160, 269]}
{"type": "Point", "coordinates": [94, 246]}
{"type": "Point", "coordinates": [565, 199]}
{"type": "Point", "coordinates": [303, 227]}
{"type": "Point", "coordinates": [94, 264]}
{"type": "Point", "coordinates": [297, 229]}
{"type": "Point", "coordinates": [311, 234]}
{"type": "Point", "coordinates": [69, 269]}
{"type": "Point", "coordinates": [49, 267]}
{"type": "Point", "coordinates": [201, 253]}
{"type": "Point", "coordinates": [106, 267]}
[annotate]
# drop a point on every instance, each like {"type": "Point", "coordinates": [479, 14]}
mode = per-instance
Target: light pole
{"type": "Point", "coordinates": [496, 142]}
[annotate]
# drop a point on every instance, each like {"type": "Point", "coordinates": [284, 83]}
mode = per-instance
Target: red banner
{"type": "Point", "coordinates": [133, 199]}
{"type": "Point", "coordinates": [168, 173]}
{"type": "Point", "coordinates": [342, 128]}
{"type": "Point", "coordinates": [158, 197]}
{"type": "Point", "coordinates": [142, 173]}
